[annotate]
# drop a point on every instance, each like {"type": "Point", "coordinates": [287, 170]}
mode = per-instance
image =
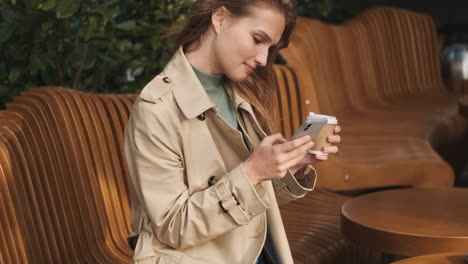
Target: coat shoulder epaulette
{"type": "Point", "coordinates": [156, 88]}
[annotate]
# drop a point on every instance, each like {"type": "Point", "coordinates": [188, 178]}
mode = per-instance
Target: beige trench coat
{"type": "Point", "coordinates": [174, 143]}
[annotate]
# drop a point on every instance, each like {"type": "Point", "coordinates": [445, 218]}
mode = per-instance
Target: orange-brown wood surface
{"type": "Point", "coordinates": [64, 180]}
{"type": "Point", "coordinates": [446, 258]}
{"type": "Point", "coordinates": [313, 229]}
{"type": "Point", "coordinates": [380, 75]}
{"type": "Point", "coordinates": [409, 222]}
{"type": "Point", "coordinates": [64, 183]}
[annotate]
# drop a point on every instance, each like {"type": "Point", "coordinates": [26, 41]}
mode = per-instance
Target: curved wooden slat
{"type": "Point", "coordinates": [313, 229]}
{"type": "Point", "coordinates": [80, 184]}
{"type": "Point", "coordinates": [378, 75]}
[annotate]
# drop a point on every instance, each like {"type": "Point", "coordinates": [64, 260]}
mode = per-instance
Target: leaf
{"type": "Point", "coordinates": [52, 48]}
{"type": "Point", "coordinates": [49, 4]}
{"type": "Point", "coordinates": [17, 52]}
{"type": "Point", "coordinates": [108, 13]}
{"type": "Point", "coordinates": [66, 8]}
{"type": "Point", "coordinates": [15, 73]}
{"type": "Point", "coordinates": [325, 7]}
{"type": "Point", "coordinates": [160, 15]}
{"type": "Point", "coordinates": [127, 25]}
{"type": "Point", "coordinates": [5, 33]}
{"type": "Point", "coordinates": [107, 59]}
{"type": "Point", "coordinates": [39, 61]}
{"type": "Point", "coordinates": [88, 57]}
{"type": "Point", "coordinates": [39, 49]}
{"type": "Point", "coordinates": [35, 64]}
{"type": "Point", "coordinates": [92, 29]}
{"type": "Point", "coordinates": [74, 57]}
{"type": "Point", "coordinates": [30, 4]}
{"type": "Point", "coordinates": [124, 45]}
{"type": "Point", "coordinates": [49, 77]}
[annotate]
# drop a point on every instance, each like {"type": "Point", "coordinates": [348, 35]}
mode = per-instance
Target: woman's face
{"type": "Point", "coordinates": [242, 43]}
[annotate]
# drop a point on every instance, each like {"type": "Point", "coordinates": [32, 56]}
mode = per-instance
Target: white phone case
{"type": "Point", "coordinates": [310, 127]}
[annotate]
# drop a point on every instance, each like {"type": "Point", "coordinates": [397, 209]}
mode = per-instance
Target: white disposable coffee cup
{"type": "Point", "coordinates": [321, 139]}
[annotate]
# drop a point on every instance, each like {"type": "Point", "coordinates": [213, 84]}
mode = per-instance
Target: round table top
{"type": "Point", "coordinates": [446, 258]}
{"type": "Point", "coordinates": [409, 222]}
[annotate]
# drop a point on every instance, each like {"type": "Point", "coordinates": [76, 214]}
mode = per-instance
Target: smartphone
{"type": "Point", "coordinates": [310, 127]}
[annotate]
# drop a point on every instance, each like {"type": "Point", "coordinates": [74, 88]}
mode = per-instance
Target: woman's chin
{"type": "Point", "coordinates": [237, 77]}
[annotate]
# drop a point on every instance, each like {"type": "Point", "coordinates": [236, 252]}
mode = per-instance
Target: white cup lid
{"type": "Point", "coordinates": [330, 119]}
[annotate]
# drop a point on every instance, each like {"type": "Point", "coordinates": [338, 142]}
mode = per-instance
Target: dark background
{"type": "Point", "coordinates": [117, 46]}
{"type": "Point", "coordinates": [451, 17]}
{"type": "Point", "coordinates": [444, 12]}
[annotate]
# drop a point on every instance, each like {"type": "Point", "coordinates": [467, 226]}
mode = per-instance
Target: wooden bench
{"type": "Point", "coordinates": [63, 183]}
{"type": "Point", "coordinates": [63, 178]}
{"type": "Point", "coordinates": [313, 222]}
{"type": "Point", "coordinates": [380, 75]}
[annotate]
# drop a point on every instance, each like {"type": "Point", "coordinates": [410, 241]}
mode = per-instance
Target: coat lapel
{"type": "Point", "coordinates": [188, 92]}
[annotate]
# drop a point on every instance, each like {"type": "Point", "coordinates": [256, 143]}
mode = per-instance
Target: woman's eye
{"type": "Point", "coordinates": [257, 41]}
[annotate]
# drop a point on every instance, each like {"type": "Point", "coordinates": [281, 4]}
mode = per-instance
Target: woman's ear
{"type": "Point", "coordinates": [219, 18]}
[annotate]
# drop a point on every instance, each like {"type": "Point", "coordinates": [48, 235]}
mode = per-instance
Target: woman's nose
{"type": "Point", "coordinates": [262, 57]}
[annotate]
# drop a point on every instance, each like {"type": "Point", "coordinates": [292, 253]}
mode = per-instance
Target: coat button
{"type": "Point", "coordinates": [211, 181]}
{"type": "Point", "coordinates": [167, 80]}
{"type": "Point", "coordinates": [201, 117]}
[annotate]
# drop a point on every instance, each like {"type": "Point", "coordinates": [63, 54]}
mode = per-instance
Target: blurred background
{"type": "Point", "coordinates": [64, 195]}
{"type": "Point", "coordinates": [118, 46]}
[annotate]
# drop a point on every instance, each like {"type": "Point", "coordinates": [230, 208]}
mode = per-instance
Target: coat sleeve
{"type": "Point", "coordinates": [153, 149]}
{"type": "Point", "coordinates": [288, 188]}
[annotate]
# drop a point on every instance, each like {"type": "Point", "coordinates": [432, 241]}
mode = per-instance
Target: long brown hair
{"type": "Point", "coordinates": [259, 89]}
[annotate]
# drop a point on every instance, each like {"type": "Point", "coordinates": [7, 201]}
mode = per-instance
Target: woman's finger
{"type": "Point", "coordinates": [294, 161]}
{"type": "Point", "coordinates": [280, 141]}
{"type": "Point", "coordinates": [300, 151]}
{"type": "Point", "coordinates": [334, 139]}
{"type": "Point", "coordinates": [321, 157]}
{"type": "Point", "coordinates": [293, 144]}
{"type": "Point", "coordinates": [273, 139]}
{"type": "Point", "coordinates": [330, 149]}
{"type": "Point", "coordinates": [337, 129]}
{"type": "Point", "coordinates": [309, 159]}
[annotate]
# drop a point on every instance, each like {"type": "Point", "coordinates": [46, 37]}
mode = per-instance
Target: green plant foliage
{"type": "Point", "coordinates": [332, 11]}
{"type": "Point", "coordinates": [100, 46]}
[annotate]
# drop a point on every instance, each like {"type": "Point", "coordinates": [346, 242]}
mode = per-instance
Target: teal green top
{"type": "Point", "coordinates": [217, 93]}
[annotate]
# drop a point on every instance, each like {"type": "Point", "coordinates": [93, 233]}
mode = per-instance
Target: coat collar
{"type": "Point", "coordinates": [189, 93]}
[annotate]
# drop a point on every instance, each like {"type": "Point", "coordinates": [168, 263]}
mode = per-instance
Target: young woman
{"type": "Point", "coordinates": [206, 180]}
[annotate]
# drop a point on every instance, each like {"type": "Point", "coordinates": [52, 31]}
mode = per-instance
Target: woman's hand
{"type": "Point", "coordinates": [310, 159]}
{"type": "Point", "coordinates": [272, 158]}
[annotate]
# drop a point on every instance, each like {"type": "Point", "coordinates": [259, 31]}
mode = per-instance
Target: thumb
{"type": "Point", "coordinates": [274, 139]}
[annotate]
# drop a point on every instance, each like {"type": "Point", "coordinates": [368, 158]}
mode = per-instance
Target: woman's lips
{"type": "Point", "coordinates": [249, 68]}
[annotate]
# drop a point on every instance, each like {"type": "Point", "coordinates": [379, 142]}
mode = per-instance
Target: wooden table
{"type": "Point", "coordinates": [463, 105]}
{"type": "Point", "coordinates": [409, 222]}
{"type": "Point", "coordinates": [446, 258]}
